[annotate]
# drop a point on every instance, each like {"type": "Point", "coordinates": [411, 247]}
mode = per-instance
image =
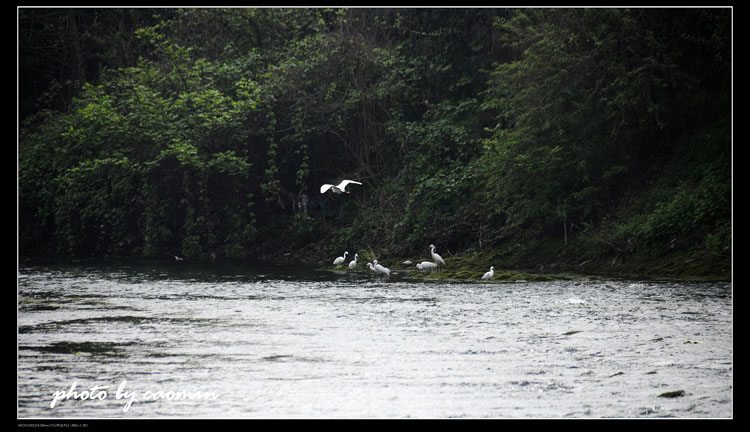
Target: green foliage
{"type": "Point", "coordinates": [155, 165]}
{"type": "Point", "coordinates": [470, 128]}
{"type": "Point", "coordinates": [689, 210]}
{"type": "Point", "coordinates": [584, 97]}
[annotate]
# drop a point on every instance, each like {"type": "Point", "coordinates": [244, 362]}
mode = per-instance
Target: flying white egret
{"type": "Point", "coordinates": [339, 188]}
{"type": "Point", "coordinates": [438, 259]}
{"type": "Point", "coordinates": [176, 258]}
{"type": "Point", "coordinates": [489, 274]}
{"type": "Point", "coordinates": [380, 269]}
{"type": "Point", "coordinates": [340, 259]}
{"type": "Point", "coordinates": [426, 265]}
{"type": "Point", "coordinates": [353, 263]}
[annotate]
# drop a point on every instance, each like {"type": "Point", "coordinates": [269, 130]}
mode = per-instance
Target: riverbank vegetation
{"type": "Point", "coordinates": [585, 140]}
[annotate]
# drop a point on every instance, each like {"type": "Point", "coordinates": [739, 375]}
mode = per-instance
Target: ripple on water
{"type": "Point", "coordinates": [299, 346]}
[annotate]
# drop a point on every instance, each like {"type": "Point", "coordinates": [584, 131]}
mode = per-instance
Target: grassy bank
{"type": "Point", "coordinates": [548, 259]}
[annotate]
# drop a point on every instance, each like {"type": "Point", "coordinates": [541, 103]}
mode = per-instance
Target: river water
{"type": "Point", "coordinates": [173, 341]}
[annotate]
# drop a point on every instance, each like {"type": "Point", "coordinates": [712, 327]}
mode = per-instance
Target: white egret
{"type": "Point", "coordinates": [339, 188]}
{"type": "Point", "coordinates": [489, 274]}
{"type": "Point", "coordinates": [372, 267]}
{"type": "Point", "coordinates": [380, 269]}
{"type": "Point", "coordinates": [438, 259]}
{"type": "Point", "coordinates": [353, 263]}
{"type": "Point", "coordinates": [340, 260]}
{"type": "Point", "coordinates": [426, 265]}
{"type": "Point", "coordinates": [176, 258]}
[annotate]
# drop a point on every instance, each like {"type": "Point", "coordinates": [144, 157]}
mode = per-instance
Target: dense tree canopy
{"type": "Point", "coordinates": [207, 132]}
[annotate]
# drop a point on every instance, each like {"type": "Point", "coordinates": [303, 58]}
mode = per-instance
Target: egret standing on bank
{"type": "Point", "coordinates": [340, 260]}
{"type": "Point", "coordinates": [353, 263]}
{"type": "Point", "coordinates": [438, 259]}
{"type": "Point", "coordinates": [339, 188]}
{"type": "Point", "coordinates": [489, 274]}
{"type": "Point", "coordinates": [380, 269]}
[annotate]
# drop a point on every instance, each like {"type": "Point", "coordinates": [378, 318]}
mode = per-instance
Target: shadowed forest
{"type": "Point", "coordinates": [562, 139]}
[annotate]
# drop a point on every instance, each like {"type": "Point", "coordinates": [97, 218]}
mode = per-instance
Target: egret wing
{"type": "Point", "coordinates": [346, 183]}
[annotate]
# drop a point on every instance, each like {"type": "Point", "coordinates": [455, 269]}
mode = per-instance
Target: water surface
{"type": "Point", "coordinates": [218, 342]}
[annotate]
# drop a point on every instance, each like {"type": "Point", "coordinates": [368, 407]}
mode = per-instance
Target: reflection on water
{"type": "Point", "coordinates": [180, 341]}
